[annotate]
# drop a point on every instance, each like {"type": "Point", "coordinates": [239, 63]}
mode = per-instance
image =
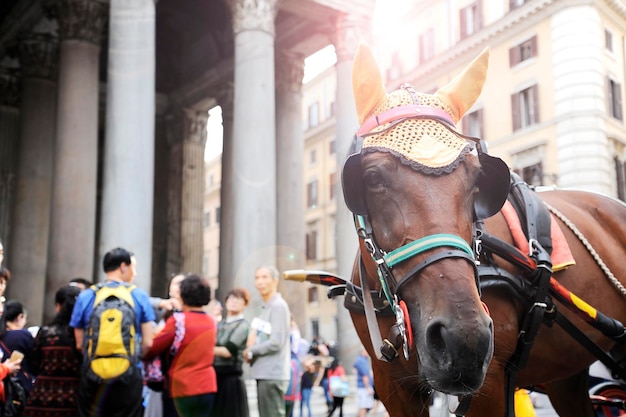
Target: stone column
{"type": "Point", "coordinates": [127, 195]}
{"type": "Point", "coordinates": [38, 56]}
{"type": "Point", "coordinates": [350, 30]}
{"type": "Point", "coordinates": [254, 140]}
{"type": "Point", "coordinates": [290, 176]}
{"type": "Point", "coordinates": [226, 273]}
{"type": "Point", "coordinates": [187, 138]}
{"type": "Point", "coordinates": [73, 214]}
{"type": "Point", "coordinates": [160, 219]}
{"type": "Point", "coordinates": [9, 134]}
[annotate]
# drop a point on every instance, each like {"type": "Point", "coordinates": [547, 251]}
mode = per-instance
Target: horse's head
{"type": "Point", "coordinates": [418, 186]}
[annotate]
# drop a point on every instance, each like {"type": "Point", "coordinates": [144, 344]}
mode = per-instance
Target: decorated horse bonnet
{"type": "Point", "coordinates": [420, 129]}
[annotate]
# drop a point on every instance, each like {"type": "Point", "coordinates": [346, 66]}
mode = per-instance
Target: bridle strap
{"type": "Point", "coordinates": [370, 313]}
{"type": "Point", "coordinates": [404, 112]}
{"type": "Point", "coordinates": [435, 258]}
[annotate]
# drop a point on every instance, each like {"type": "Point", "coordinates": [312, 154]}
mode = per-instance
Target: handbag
{"type": "Point", "coordinates": [14, 393]}
{"type": "Point", "coordinates": [339, 387]}
{"type": "Point", "coordinates": [154, 369]}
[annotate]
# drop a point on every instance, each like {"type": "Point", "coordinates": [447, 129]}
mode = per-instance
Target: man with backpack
{"type": "Point", "coordinates": [113, 323]}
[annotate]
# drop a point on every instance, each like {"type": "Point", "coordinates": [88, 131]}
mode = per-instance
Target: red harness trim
{"type": "Point", "coordinates": [403, 112]}
{"type": "Point", "coordinates": [407, 325]}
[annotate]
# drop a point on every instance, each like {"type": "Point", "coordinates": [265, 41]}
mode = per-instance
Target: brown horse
{"type": "Point", "coordinates": [420, 192]}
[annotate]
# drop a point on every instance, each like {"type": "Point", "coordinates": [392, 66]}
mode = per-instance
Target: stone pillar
{"type": "Point", "coordinates": [254, 140]}
{"type": "Point", "coordinates": [73, 213]}
{"type": "Point", "coordinates": [187, 138]}
{"type": "Point", "coordinates": [38, 56]}
{"type": "Point", "coordinates": [290, 176]}
{"type": "Point", "coordinates": [127, 195]}
{"type": "Point", "coordinates": [226, 274]}
{"type": "Point", "coordinates": [349, 33]}
{"type": "Point", "coordinates": [160, 220]}
{"type": "Point", "coordinates": [9, 134]}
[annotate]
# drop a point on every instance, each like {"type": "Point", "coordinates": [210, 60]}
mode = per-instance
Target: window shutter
{"type": "Point", "coordinates": [515, 112]}
{"type": "Point", "coordinates": [514, 56]}
{"type": "Point", "coordinates": [463, 19]}
{"type": "Point", "coordinates": [535, 93]}
{"type": "Point", "coordinates": [618, 101]}
{"type": "Point", "coordinates": [533, 45]}
{"type": "Point", "coordinates": [479, 15]}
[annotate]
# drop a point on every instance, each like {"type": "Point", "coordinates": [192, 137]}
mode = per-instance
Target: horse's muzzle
{"type": "Point", "coordinates": [456, 354]}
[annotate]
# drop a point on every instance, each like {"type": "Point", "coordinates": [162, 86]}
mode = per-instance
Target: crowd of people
{"type": "Point", "coordinates": [81, 364]}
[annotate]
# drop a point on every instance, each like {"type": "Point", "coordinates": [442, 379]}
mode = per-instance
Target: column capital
{"type": "Point", "coordinates": [38, 55]}
{"type": "Point", "coordinates": [186, 125]}
{"type": "Point", "coordinates": [225, 95]}
{"type": "Point", "coordinates": [82, 20]}
{"type": "Point", "coordinates": [9, 88]}
{"type": "Point", "coordinates": [254, 15]}
{"type": "Point", "coordinates": [289, 70]}
{"type": "Point", "coordinates": [350, 30]}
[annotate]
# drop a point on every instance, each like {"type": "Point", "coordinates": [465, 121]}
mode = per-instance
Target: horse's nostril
{"type": "Point", "coordinates": [436, 338]}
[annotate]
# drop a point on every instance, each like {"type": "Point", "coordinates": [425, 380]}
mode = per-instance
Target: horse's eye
{"type": "Point", "coordinates": [372, 179]}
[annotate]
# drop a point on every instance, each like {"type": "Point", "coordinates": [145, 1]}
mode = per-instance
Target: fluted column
{"type": "Point", "coordinates": [187, 138]}
{"type": "Point", "coordinates": [38, 55]}
{"type": "Point", "coordinates": [254, 145]}
{"type": "Point", "coordinates": [290, 176]}
{"type": "Point", "coordinates": [349, 31]}
{"type": "Point", "coordinates": [73, 215]}
{"type": "Point", "coordinates": [226, 273]}
{"type": "Point", "coordinates": [129, 142]}
{"type": "Point", "coordinates": [9, 133]}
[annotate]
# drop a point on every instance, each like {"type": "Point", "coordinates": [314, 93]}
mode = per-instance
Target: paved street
{"type": "Point", "coordinates": [319, 409]}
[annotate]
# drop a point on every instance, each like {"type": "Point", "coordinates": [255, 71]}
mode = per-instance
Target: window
{"type": "Point", "coordinates": [218, 214]}
{"type": "Point", "coordinates": [315, 328]}
{"type": "Point", "coordinates": [395, 70]}
{"type": "Point", "coordinates": [514, 4]}
{"type": "Point", "coordinates": [473, 124]}
{"type": "Point", "coordinates": [205, 265]}
{"type": "Point", "coordinates": [207, 219]}
{"type": "Point", "coordinates": [333, 185]}
{"type": "Point", "coordinates": [523, 51]}
{"type": "Point", "coordinates": [427, 45]}
{"type": "Point", "coordinates": [608, 40]}
{"type": "Point", "coordinates": [311, 245]}
{"type": "Point", "coordinates": [314, 115]}
{"type": "Point", "coordinates": [533, 174]}
{"type": "Point", "coordinates": [615, 99]}
{"type": "Point", "coordinates": [312, 157]}
{"type": "Point", "coordinates": [311, 194]}
{"type": "Point", "coordinates": [314, 295]}
{"type": "Point", "coordinates": [331, 147]}
{"type": "Point", "coordinates": [525, 108]}
{"type": "Point", "coordinates": [471, 19]}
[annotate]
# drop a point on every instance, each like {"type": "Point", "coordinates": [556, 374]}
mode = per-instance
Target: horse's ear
{"type": "Point", "coordinates": [367, 83]}
{"type": "Point", "coordinates": [461, 93]}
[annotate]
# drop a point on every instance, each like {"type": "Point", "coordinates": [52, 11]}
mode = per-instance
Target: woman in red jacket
{"type": "Point", "coordinates": [192, 381]}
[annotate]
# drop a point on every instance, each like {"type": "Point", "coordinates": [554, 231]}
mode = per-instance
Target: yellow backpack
{"type": "Point", "coordinates": [109, 346]}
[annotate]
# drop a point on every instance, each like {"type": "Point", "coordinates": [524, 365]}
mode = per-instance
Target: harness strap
{"type": "Point", "coordinates": [434, 258]}
{"type": "Point", "coordinates": [370, 315]}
